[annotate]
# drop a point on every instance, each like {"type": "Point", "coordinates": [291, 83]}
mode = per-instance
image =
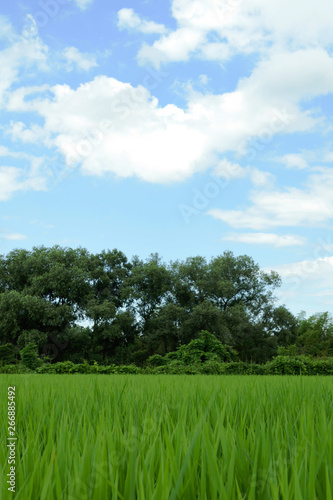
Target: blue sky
{"type": "Point", "coordinates": [183, 127]}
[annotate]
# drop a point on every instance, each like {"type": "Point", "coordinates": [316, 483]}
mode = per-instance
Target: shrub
{"type": "Point", "coordinates": [285, 365]}
{"type": "Point", "coordinates": [212, 368]}
{"type": "Point", "coordinates": [15, 369]}
{"type": "Point", "coordinates": [157, 360]}
{"type": "Point", "coordinates": [45, 368]}
{"type": "Point", "coordinates": [30, 357]}
{"type": "Point", "coordinates": [206, 348]}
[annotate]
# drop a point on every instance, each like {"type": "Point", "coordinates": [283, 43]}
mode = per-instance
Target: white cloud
{"type": "Point", "coordinates": [20, 131]}
{"type": "Point", "coordinates": [13, 236]}
{"type": "Point", "coordinates": [6, 30]}
{"type": "Point", "coordinates": [128, 19]}
{"type": "Point", "coordinates": [175, 47]}
{"type": "Point", "coordinates": [83, 61]}
{"type": "Point", "coordinates": [13, 179]}
{"type": "Point", "coordinates": [23, 52]}
{"type": "Point", "coordinates": [242, 26]}
{"type": "Point", "coordinates": [293, 161]}
{"type": "Point", "coordinates": [292, 206]}
{"type": "Point", "coordinates": [307, 284]}
{"type": "Point", "coordinates": [83, 4]}
{"type": "Point", "coordinates": [260, 178]}
{"type": "Point", "coordinates": [164, 144]}
{"type": "Point", "coordinates": [203, 79]}
{"type": "Point", "coordinates": [266, 239]}
{"type": "Point", "coordinates": [229, 170]}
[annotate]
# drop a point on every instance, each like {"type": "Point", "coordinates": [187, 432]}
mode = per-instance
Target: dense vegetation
{"type": "Point", "coordinates": [141, 437]}
{"type": "Point", "coordinates": [135, 310]}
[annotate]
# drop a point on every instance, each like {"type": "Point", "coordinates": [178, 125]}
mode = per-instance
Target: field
{"type": "Point", "coordinates": [170, 437]}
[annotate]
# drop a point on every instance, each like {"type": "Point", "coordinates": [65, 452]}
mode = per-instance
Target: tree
{"type": "Point", "coordinates": [147, 289]}
{"type": "Point", "coordinates": [29, 356]}
{"type": "Point", "coordinates": [20, 312]}
{"type": "Point", "coordinates": [315, 335]}
{"type": "Point", "coordinates": [238, 280]}
{"type": "Point", "coordinates": [281, 323]}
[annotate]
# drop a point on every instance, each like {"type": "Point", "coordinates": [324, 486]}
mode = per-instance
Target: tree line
{"type": "Point", "coordinates": [78, 306]}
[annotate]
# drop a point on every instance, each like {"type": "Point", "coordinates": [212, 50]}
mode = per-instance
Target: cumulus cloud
{"type": "Point", "coordinates": [13, 179]}
{"type": "Point", "coordinates": [83, 61]}
{"type": "Point", "coordinates": [165, 144]}
{"type": "Point", "coordinates": [271, 239]}
{"type": "Point", "coordinates": [240, 27]}
{"type": "Point", "coordinates": [22, 52]}
{"type": "Point", "coordinates": [168, 143]}
{"type": "Point", "coordinates": [128, 19]}
{"type": "Point", "coordinates": [158, 144]}
{"type": "Point", "coordinates": [228, 170]}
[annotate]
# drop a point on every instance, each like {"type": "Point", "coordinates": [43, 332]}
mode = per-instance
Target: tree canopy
{"type": "Point", "coordinates": [73, 305]}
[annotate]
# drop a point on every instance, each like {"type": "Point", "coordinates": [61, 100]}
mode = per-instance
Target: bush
{"type": "Point", "coordinates": [212, 368]}
{"type": "Point", "coordinates": [15, 369]}
{"type": "Point", "coordinates": [29, 356]}
{"type": "Point", "coordinates": [127, 369]}
{"type": "Point", "coordinates": [322, 367]}
{"type": "Point", "coordinates": [69, 367]}
{"type": "Point", "coordinates": [158, 360]}
{"type": "Point", "coordinates": [46, 368]}
{"type": "Point", "coordinates": [204, 349]}
{"type": "Point", "coordinates": [285, 365]}
{"type": "Point", "coordinates": [254, 369]}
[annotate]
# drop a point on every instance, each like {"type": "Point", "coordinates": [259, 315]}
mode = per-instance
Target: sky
{"type": "Point", "coordinates": [183, 127]}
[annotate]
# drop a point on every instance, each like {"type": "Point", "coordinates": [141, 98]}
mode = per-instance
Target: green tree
{"type": "Point", "coordinates": [147, 289]}
{"type": "Point", "coordinates": [315, 335]}
{"type": "Point", "coordinates": [239, 280]}
{"type": "Point", "coordinates": [29, 356]}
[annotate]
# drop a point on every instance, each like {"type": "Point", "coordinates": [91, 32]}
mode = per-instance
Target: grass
{"type": "Point", "coordinates": [170, 437]}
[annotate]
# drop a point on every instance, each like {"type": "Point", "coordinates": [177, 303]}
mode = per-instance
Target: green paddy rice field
{"type": "Point", "coordinates": [170, 437]}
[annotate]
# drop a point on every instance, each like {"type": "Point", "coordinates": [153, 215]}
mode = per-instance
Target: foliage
{"type": "Point", "coordinates": [315, 335]}
{"type": "Point", "coordinates": [206, 348]}
{"type": "Point", "coordinates": [67, 367]}
{"type": "Point", "coordinates": [29, 356]}
{"type": "Point", "coordinates": [7, 354]}
{"type": "Point", "coordinates": [15, 369]}
{"type": "Point", "coordinates": [285, 365]}
{"type": "Point", "coordinates": [138, 309]}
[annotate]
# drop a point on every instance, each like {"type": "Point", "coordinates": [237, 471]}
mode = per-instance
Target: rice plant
{"type": "Point", "coordinates": [170, 437]}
